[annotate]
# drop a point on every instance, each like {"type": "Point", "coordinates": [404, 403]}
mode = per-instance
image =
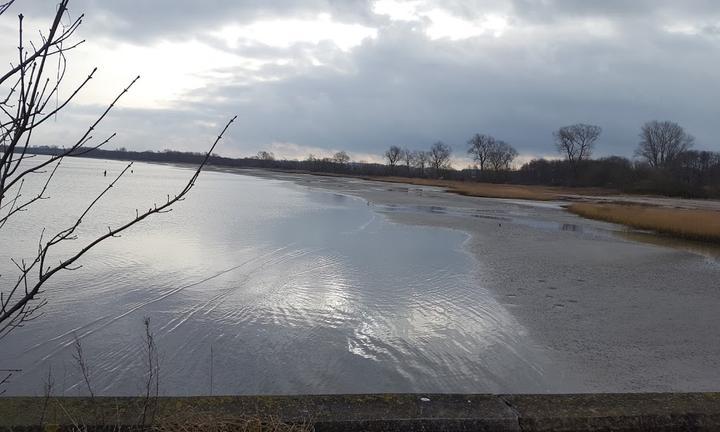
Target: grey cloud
{"type": "Point", "coordinates": [144, 20]}
{"type": "Point", "coordinates": [403, 88]}
{"type": "Point", "coordinates": [139, 20]}
{"type": "Point", "coordinates": [615, 8]}
{"type": "Point", "coordinates": [712, 29]}
{"type": "Point", "coordinates": [637, 13]}
{"type": "Point", "coordinates": [138, 129]}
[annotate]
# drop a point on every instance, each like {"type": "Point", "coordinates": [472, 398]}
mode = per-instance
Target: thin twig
{"type": "Point", "coordinates": [82, 365]}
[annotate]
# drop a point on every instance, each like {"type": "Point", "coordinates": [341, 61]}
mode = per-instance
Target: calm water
{"type": "Point", "coordinates": [295, 290]}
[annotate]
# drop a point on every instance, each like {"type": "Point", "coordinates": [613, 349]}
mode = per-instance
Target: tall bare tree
{"type": "Point", "coordinates": [439, 156]}
{"type": "Point", "coordinates": [32, 83]}
{"type": "Point", "coordinates": [480, 147]}
{"type": "Point", "coordinates": [662, 141]}
{"type": "Point", "coordinates": [421, 159]}
{"type": "Point", "coordinates": [393, 156]}
{"type": "Point", "coordinates": [576, 142]}
{"type": "Point", "coordinates": [341, 157]}
{"type": "Point", "coordinates": [408, 156]}
{"type": "Point", "coordinates": [501, 156]}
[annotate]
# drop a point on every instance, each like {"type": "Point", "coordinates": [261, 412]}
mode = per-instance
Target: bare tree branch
{"type": "Point", "coordinates": [32, 98]}
{"type": "Point", "coordinates": [81, 362]}
{"type": "Point", "coordinates": [8, 311]}
{"type": "Point", "coordinates": [5, 6]}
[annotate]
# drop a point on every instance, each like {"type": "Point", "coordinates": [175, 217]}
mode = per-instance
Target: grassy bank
{"type": "Point", "coordinates": [493, 190]}
{"type": "Point", "coordinates": [701, 225]}
{"type": "Point", "coordinates": [374, 412]}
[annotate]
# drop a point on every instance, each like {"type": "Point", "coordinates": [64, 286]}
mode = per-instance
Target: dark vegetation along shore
{"type": "Point", "coordinates": [373, 412]}
{"type": "Point", "coordinates": [666, 164]}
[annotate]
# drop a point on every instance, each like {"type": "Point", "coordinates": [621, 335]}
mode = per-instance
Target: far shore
{"type": "Point", "coordinates": [686, 218]}
{"type": "Point", "coordinates": [693, 219]}
{"type": "Point", "coordinates": [513, 191]}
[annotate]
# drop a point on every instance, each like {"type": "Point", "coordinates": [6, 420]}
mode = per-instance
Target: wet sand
{"type": "Point", "coordinates": [618, 311]}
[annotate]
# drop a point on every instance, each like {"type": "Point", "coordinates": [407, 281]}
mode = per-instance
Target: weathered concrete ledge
{"type": "Point", "coordinates": [388, 412]}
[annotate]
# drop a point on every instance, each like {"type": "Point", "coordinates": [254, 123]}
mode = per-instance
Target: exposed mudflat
{"type": "Point", "coordinates": [616, 310]}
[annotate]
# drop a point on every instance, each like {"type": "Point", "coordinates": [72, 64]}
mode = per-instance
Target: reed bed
{"type": "Point", "coordinates": [703, 225]}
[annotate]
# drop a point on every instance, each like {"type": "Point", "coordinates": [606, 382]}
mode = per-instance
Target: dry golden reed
{"type": "Point", "coordinates": [690, 224]}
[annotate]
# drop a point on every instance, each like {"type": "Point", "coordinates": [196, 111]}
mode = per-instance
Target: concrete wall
{"type": "Point", "coordinates": [388, 412]}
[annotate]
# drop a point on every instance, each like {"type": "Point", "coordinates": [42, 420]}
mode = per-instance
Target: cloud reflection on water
{"type": "Point", "coordinates": [296, 291]}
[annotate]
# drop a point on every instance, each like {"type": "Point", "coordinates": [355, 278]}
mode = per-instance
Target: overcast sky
{"type": "Point", "coordinates": [316, 76]}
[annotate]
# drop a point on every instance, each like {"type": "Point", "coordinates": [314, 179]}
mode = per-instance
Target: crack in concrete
{"type": "Point", "coordinates": [513, 409]}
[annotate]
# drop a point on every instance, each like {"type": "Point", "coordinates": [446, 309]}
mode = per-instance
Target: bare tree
{"type": "Point", "coordinates": [480, 147]}
{"type": "Point", "coordinates": [421, 159]}
{"type": "Point", "coordinates": [341, 157]}
{"type": "Point", "coordinates": [32, 88]}
{"type": "Point", "coordinates": [662, 142]}
{"type": "Point", "coordinates": [439, 156]}
{"type": "Point", "coordinates": [393, 156]}
{"type": "Point", "coordinates": [576, 142]}
{"type": "Point", "coordinates": [408, 156]}
{"type": "Point", "coordinates": [501, 155]}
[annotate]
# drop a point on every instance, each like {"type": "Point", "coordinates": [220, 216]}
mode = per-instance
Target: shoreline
{"type": "Point", "coordinates": [370, 412]}
{"type": "Point", "coordinates": [503, 190]}
{"type": "Point", "coordinates": [632, 211]}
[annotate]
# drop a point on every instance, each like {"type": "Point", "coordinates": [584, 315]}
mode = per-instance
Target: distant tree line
{"type": "Point", "coordinates": [419, 163]}
{"type": "Point", "coordinates": [339, 164]}
{"type": "Point", "coordinates": [665, 162]}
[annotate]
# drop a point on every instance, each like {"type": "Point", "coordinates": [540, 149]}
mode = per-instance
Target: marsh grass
{"type": "Point", "coordinates": [703, 225]}
{"type": "Point", "coordinates": [212, 422]}
{"type": "Point", "coordinates": [77, 415]}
